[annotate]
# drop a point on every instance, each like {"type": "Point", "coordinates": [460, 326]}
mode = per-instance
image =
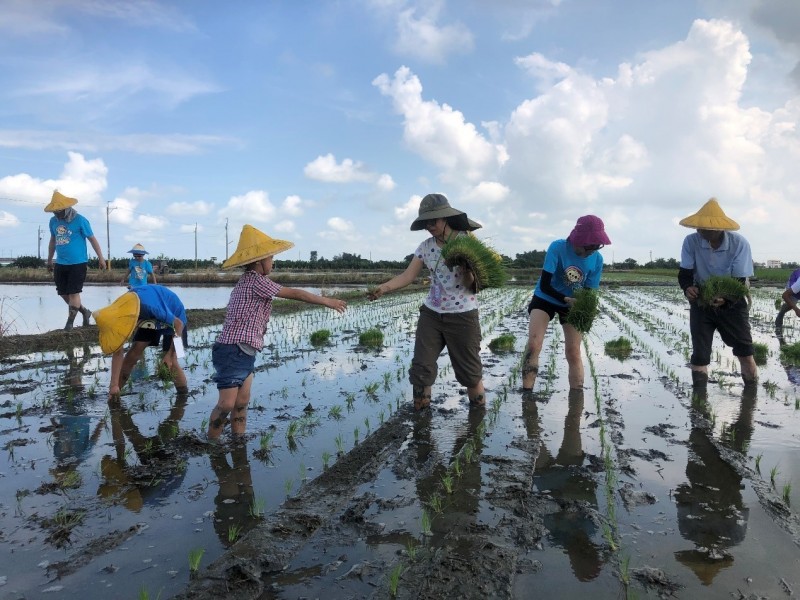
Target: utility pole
{"type": "Point", "coordinates": [226, 238]}
{"type": "Point", "coordinates": [39, 243]}
{"type": "Point", "coordinates": [195, 246]}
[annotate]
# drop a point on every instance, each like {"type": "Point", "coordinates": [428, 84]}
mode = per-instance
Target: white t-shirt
{"type": "Point", "coordinates": [448, 293]}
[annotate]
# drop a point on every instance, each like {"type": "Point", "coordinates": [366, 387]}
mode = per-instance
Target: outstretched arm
{"type": "Point", "coordinates": [400, 281]}
{"type": "Point", "coordinates": [97, 250]}
{"type": "Point", "coordinates": [304, 296]}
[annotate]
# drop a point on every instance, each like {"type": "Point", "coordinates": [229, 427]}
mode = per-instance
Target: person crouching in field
{"type": "Point", "coordinates": [242, 335]}
{"type": "Point", "coordinates": [139, 268]}
{"type": "Point", "coordinates": [148, 313]}
{"type": "Point", "coordinates": [569, 265]}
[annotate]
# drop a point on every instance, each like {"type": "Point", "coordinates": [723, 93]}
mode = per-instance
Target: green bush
{"type": "Point", "coordinates": [320, 337]}
{"type": "Point", "coordinates": [371, 337]}
{"type": "Point", "coordinates": [29, 262]}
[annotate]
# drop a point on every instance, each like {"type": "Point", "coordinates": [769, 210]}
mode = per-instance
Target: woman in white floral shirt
{"type": "Point", "coordinates": [449, 316]}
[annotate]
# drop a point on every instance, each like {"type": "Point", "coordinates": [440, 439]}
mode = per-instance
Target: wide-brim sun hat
{"type": "Point", "coordinates": [59, 202]}
{"type": "Point", "coordinates": [437, 206]}
{"type": "Point", "coordinates": [589, 230]}
{"type": "Point", "coordinates": [710, 216]}
{"type": "Point", "coordinates": [138, 249]}
{"type": "Point", "coordinates": [255, 245]}
{"type": "Point", "coordinates": [117, 322]}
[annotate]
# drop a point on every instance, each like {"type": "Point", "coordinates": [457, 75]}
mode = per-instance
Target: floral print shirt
{"type": "Point", "coordinates": [448, 293]}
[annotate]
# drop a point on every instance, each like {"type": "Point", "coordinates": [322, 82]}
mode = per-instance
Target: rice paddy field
{"type": "Point", "coordinates": [635, 487]}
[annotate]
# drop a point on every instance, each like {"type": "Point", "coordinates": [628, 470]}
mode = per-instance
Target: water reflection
{"type": "Point", "coordinates": [572, 486]}
{"type": "Point", "coordinates": [711, 511]}
{"type": "Point", "coordinates": [158, 473]}
{"type": "Point", "coordinates": [236, 511]}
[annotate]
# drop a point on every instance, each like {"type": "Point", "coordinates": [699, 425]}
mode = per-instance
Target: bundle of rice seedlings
{"type": "Point", "coordinates": [503, 343]}
{"type": "Point", "coordinates": [469, 252]}
{"type": "Point", "coordinates": [778, 303]}
{"type": "Point", "coordinates": [619, 348]}
{"type": "Point", "coordinates": [586, 307]}
{"type": "Point", "coordinates": [320, 337]}
{"type": "Point", "coordinates": [790, 354]}
{"type": "Point", "coordinates": [371, 337]}
{"type": "Point", "coordinates": [760, 353]}
{"type": "Point", "coordinates": [722, 286]}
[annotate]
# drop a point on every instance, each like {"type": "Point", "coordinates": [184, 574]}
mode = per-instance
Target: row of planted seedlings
{"type": "Point", "coordinates": [719, 412]}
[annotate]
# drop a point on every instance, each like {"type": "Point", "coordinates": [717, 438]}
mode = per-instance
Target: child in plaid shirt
{"type": "Point", "coordinates": [246, 319]}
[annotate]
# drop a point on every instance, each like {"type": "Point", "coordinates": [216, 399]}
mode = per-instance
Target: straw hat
{"type": "Point", "coordinates": [254, 245]}
{"type": "Point", "coordinates": [117, 321]}
{"type": "Point", "coordinates": [710, 216]}
{"type": "Point", "coordinates": [138, 249]}
{"type": "Point", "coordinates": [59, 202]}
{"type": "Point", "coordinates": [437, 206]}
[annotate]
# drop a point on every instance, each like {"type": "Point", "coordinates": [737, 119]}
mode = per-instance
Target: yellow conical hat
{"type": "Point", "coordinates": [254, 245]}
{"type": "Point", "coordinates": [59, 202]}
{"type": "Point", "coordinates": [117, 321]}
{"type": "Point", "coordinates": [710, 216]}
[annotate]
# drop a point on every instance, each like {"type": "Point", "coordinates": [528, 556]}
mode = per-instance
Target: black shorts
{"type": "Point", "coordinates": [146, 332]}
{"type": "Point", "coordinates": [69, 278]}
{"type": "Point", "coordinates": [732, 322]}
{"type": "Point", "coordinates": [551, 309]}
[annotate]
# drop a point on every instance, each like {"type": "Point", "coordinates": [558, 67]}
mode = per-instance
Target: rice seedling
{"type": "Point", "coordinates": [447, 482]}
{"type": "Point", "coordinates": [339, 441]}
{"type": "Point", "coordinates": [320, 337]}
{"type": "Point", "coordinates": [425, 523]}
{"type": "Point", "coordinates": [468, 252]}
{"type": "Point", "coordinates": [355, 436]}
{"type": "Point", "coordinates": [195, 556]}
{"type": "Point", "coordinates": [503, 343]}
{"type": "Point", "coordinates": [366, 424]}
{"type": "Point", "coordinates": [335, 412]}
{"type": "Point", "coordinates": [288, 484]}
{"type": "Point", "coordinates": [720, 286]}
{"type": "Point", "coordinates": [371, 338]}
{"type": "Point", "coordinates": [456, 467]}
{"type": "Point", "coordinates": [583, 311]}
{"type": "Point", "coordinates": [619, 348]}
{"type": "Point", "coordinates": [760, 352]}
{"type": "Point", "coordinates": [787, 492]}
{"type": "Point", "coordinates": [257, 508]}
{"type": "Point", "coordinates": [326, 459]}
{"type": "Point", "coordinates": [371, 389]}
{"type": "Point", "coordinates": [758, 462]}
{"type": "Point", "coordinates": [233, 532]}
{"type": "Point", "coordinates": [773, 473]}
{"type": "Point", "coordinates": [411, 550]}
{"type": "Point", "coordinates": [790, 354]}
{"type": "Point", "coordinates": [435, 502]}
{"type": "Point", "coordinates": [292, 429]}
{"type": "Point", "coordinates": [394, 579]}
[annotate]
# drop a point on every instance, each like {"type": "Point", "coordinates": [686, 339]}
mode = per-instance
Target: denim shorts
{"type": "Point", "coordinates": [231, 365]}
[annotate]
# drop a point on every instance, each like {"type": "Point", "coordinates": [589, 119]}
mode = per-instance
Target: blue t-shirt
{"type": "Point", "coordinates": [71, 239]}
{"type": "Point", "coordinates": [138, 272]}
{"type": "Point", "coordinates": [732, 258]}
{"type": "Point", "coordinates": [570, 271]}
{"type": "Point", "coordinates": [158, 302]}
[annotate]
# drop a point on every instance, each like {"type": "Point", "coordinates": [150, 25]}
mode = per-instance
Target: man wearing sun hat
{"type": "Point", "coordinates": [69, 232]}
{"type": "Point", "coordinates": [147, 313]}
{"type": "Point", "coordinates": [714, 249]}
{"type": "Point", "coordinates": [246, 318]}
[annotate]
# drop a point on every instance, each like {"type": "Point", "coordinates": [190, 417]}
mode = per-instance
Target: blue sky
{"type": "Point", "coordinates": [326, 122]}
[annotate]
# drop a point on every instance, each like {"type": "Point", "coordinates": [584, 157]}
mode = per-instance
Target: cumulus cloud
{"type": "Point", "coordinates": [409, 210]}
{"type": "Point", "coordinates": [439, 133]}
{"type": "Point", "coordinates": [422, 37]}
{"type": "Point", "coordinates": [325, 168]}
{"type": "Point", "coordinates": [7, 219]}
{"type": "Point", "coordinates": [340, 229]}
{"type": "Point", "coordinates": [292, 206]}
{"type": "Point", "coordinates": [252, 206]}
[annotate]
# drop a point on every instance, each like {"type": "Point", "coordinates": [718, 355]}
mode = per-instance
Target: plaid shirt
{"type": "Point", "coordinates": [249, 310]}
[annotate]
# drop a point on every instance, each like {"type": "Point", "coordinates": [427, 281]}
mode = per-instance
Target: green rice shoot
{"type": "Point", "coordinates": [469, 252]}
{"type": "Point", "coordinates": [503, 343]}
{"type": "Point", "coordinates": [320, 337]}
{"type": "Point", "coordinates": [371, 337]}
{"type": "Point", "coordinates": [619, 348]}
{"type": "Point", "coordinates": [790, 354]}
{"type": "Point", "coordinates": [583, 312]}
{"type": "Point", "coordinates": [721, 286]}
{"type": "Point", "coordinates": [760, 352]}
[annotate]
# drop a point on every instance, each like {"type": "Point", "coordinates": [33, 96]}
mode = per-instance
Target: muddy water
{"type": "Point", "coordinates": [621, 479]}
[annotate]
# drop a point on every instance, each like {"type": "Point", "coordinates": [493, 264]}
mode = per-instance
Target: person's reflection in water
{"type": "Point", "coordinates": [159, 473]}
{"type": "Point", "coordinates": [573, 487]}
{"type": "Point", "coordinates": [73, 376]}
{"type": "Point", "coordinates": [792, 371]}
{"type": "Point", "coordinates": [236, 512]}
{"type": "Point", "coordinates": [711, 511]}
{"type": "Point", "coordinates": [459, 508]}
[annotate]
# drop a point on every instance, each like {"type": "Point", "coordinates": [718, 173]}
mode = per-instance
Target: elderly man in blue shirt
{"type": "Point", "coordinates": [716, 250]}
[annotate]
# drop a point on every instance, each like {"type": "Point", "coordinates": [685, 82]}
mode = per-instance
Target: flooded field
{"type": "Point", "coordinates": [634, 488]}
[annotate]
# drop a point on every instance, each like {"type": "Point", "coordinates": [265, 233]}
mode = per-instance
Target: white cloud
{"type": "Point", "coordinates": [439, 133]}
{"type": "Point", "coordinates": [340, 229]}
{"type": "Point", "coordinates": [89, 141]}
{"type": "Point", "coordinates": [409, 210]}
{"type": "Point", "coordinates": [386, 183]}
{"type": "Point", "coordinates": [285, 227]}
{"type": "Point", "coordinates": [486, 192]}
{"type": "Point", "coordinates": [325, 168]}
{"type": "Point", "coordinates": [252, 206]}
{"type": "Point", "coordinates": [186, 209]}
{"type": "Point", "coordinates": [292, 206]}
{"type": "Point", "coordinates": [8, 220]}
{"type": "Point", "coordinates": [421, 37]}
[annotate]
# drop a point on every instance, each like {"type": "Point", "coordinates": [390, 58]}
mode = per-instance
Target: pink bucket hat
{"type": "Point", "coordinates": [589, 231]}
